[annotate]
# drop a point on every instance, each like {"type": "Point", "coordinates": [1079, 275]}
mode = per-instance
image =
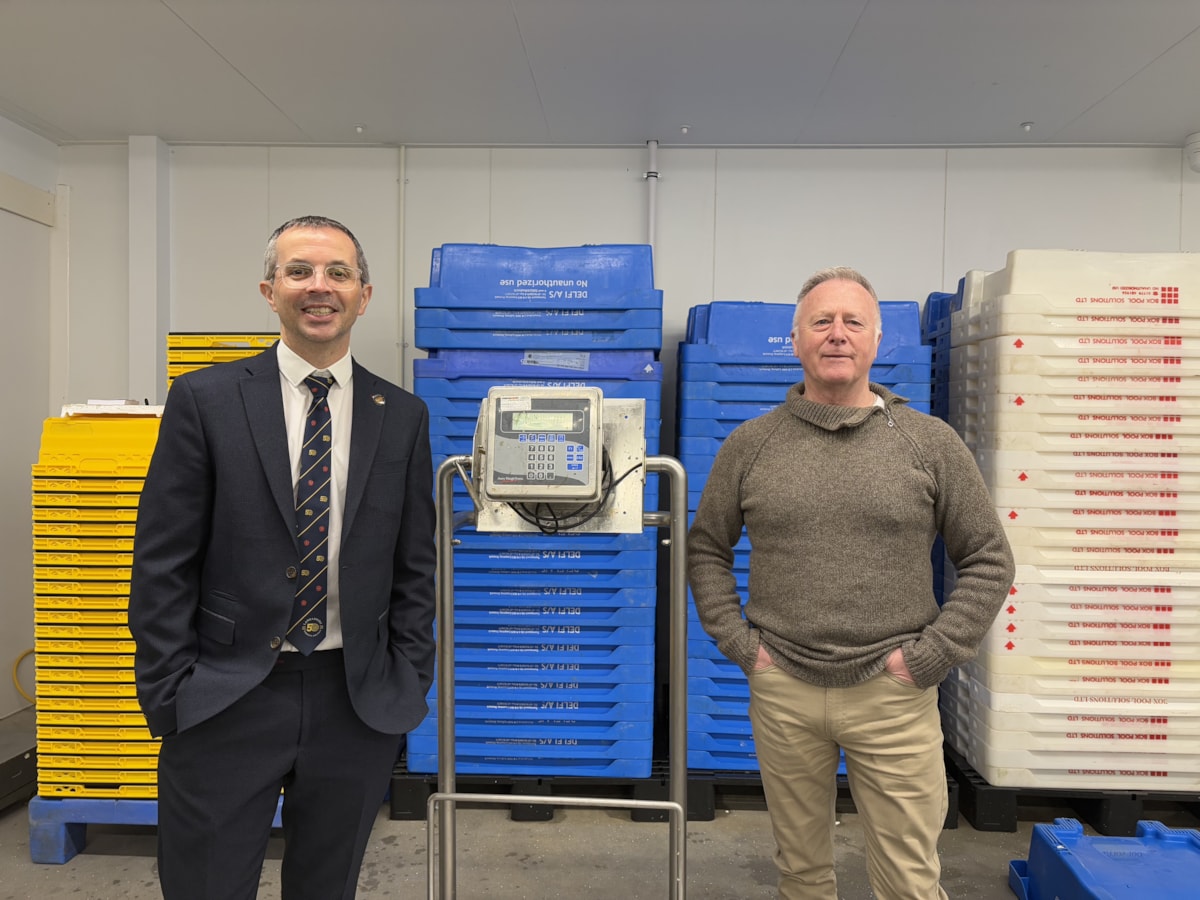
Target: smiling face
{"type": "Point", "coordinates": [315, 320]}
{"type": "Point", "coordinates": [836, 336]}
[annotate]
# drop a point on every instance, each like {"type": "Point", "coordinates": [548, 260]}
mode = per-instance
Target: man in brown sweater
{"type": "Point", "coordinates": [842, 490]}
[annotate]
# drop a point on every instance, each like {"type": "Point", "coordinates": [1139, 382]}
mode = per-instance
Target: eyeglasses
{"type": "Point", "coordinates": [337, 276]}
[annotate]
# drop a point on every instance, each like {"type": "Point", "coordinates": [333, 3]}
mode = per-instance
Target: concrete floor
{"type": "Point", "coordinates": [580, 853]}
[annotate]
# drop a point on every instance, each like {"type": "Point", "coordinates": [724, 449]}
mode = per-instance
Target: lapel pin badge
{"type": "Point", "coordinates": [379, 399]}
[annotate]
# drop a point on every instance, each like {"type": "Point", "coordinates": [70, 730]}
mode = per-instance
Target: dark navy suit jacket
{"type": "Point", "coordinates": [215, 551]}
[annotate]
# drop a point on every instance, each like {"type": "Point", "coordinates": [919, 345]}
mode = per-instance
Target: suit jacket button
{"type": "Point", "coordinates": [276, 643]}
{"type": "Point", "coordinates": [291, 573]}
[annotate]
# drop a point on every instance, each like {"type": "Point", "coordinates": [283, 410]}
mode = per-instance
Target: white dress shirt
{"type": "Point", "coordinates": [296, 399]}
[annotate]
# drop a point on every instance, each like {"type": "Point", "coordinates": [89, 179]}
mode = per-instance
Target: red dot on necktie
{"type": "Point", "coordinates": [313, 423]}
{"type": "Point", "coordinates": [322, 529]}
{"type": "Point", "coordinates": [306, 542]}
{"type": "Point", "coordinates": [318, 588]}
{"type": "Point", "coordinates": [311, 482]}
{"type": "Point", "coordinates": [324, 468]}
{"type": "Point", "coordinates": [304, 603]}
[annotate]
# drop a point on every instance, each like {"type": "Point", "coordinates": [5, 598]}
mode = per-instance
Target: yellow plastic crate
{"type": "Point", "coordinates": [98, 437]}
{"type": "Point", "coordinates": [61, 645]}
{"type": "Point", "coordinates": [90, 733]}
{"type": "Point", "coordinates": [68, 602]}
{"type": "Point", "coordinates": [84, 529]}
{"type": "Point", "coordinates": [99, 792]}
{"type": "Point", "coordinates": [81, 633]}
{"type": "Point", "coordinates": [95, 465]}
{"type": "Point", "coordinates": [88, 485]}
{"type": "Point", "coordinates": [262, 341]}
{"type": "Point", "coordinates": [67, 617]}
{"type": "Point", "coordinates": [84, 499]}
{"type": "Point", "coordinates": [128, 705]}
{"type": "Point", "coordinates": [74, 670]}
{"type": "Point", "coordinates": [102, 748]}
{"type": "Point", "coordinates": [209, 356]}
{"type": "Point", "coordinates": [84, 667]}
{"type": "Point", "coordinates": [60, 688]}
{"type": "Point", "coordinates": [90, 719]}
{"type": "Point", "coordinates": [74, 544]}
{"type": "Point", "coordinates": [90, 588]}
{"type": "Point", "coordinates": [86, 573]}
{"type": "Point", "coordinates": [57, 558]}
{"type": "Point", "coordinates": [55, 762]}
{"type": "Point", "coordinates": [83, 514]}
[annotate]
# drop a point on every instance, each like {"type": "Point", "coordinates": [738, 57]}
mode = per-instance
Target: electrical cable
{"type": "Point", "coordinates": [550, 519]}
{"type": "Point", "coordinates": [17, 680]}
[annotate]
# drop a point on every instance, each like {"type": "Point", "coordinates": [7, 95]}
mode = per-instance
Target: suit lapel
{"type": "Point", "coordinates": [364, 440]}
{"type": "Point", "coordinates": [263, 400]}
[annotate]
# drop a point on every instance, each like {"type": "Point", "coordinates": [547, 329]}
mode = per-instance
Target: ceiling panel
{"type": "Point", "coordinates": [610, 73]}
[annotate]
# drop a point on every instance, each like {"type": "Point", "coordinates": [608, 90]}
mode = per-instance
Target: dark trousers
{"type": "Point", "coordinates": [219, 785]}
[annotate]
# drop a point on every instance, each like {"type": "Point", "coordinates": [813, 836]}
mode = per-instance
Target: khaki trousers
{"type": "Point", "coordinates": [892, 737]}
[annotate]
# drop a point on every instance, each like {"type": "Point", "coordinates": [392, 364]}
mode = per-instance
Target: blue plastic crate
{"type": "Point", "coordinates": [723, 725]}
{"type": "Point", "coordinates": [629, 683]}
{"type": "Point", "coordinates": [506, 320]}
{"type": "Point", "coordinates": [557, 767]}
{"type": "Point", "coordinates": [717, 706]}
{"type": "Point", "coordinates": [469, 557]}
{"type": "Point", "coordinates": [565, 338]}
{"type": "Point", "coordinates": [721, 688]}
{"type": "Point", "coordinates": [629, 725]}
{"type": "Point", "coordinates": [534, 633]}
{"type": "Point", "coordinates": [581, 616]}
{"type": "Point", "coordinates": [476, 389]}
{"type": "Point", "coordinates": [748, 330]}
{"type": "Point", "coordinates": [553, 597]}
{"type": "Point", "coordinates": [491, 362]}
{"type": "Point", "coordinates": [538, 707]}
{"type": "Point", "coordinates": [558, 743]}
{"type": "Point", "coordinates": [645, 540]}
{"type": "Point", "coordinates": [722, 761]}
{"type": "Point", "coordinates": [550, 652]}
{"type": "Point", "coordinates": [1159, 863]}
{"type": "Point", "coordinates": [527, 274]}
{"type": "Point", "coordinates": [500, 577]}
{"type": "Point", "coordinates": [727, 410]}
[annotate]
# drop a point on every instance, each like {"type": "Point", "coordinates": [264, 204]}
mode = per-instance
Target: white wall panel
{"type": "Point", "coordinates": [1119, 199]}
{"type": "Point", "coordinates": [782, 214]}
{"type": "Point", "coordinates": [220, 220]}
{"type": "Point", "coordinates": [99, 270]}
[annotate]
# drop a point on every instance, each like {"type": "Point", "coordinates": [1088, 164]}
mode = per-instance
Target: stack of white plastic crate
{"type": "Point", "coordinates": [1074, 380]}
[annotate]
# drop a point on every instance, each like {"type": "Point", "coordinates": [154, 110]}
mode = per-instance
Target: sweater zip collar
{"type": "Point", "coordinates": [834, 418]}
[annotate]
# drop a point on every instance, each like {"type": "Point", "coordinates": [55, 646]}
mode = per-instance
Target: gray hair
{"type": "Point", "coordinates": [271, 257]}
{"type": "Point", "coordinates": [838, 273]}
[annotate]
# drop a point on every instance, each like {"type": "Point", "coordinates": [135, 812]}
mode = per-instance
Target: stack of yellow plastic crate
{"type": "Point", "coordinates": [189, 351]}
{"type": "Point", "coordinates": [92, 740]}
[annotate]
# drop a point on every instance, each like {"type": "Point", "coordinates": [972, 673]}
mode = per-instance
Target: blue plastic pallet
{"type": "Point", "coordinates": [722, 761]}
{"type": "Point", "coordinates": [624, 364]}
{"type": "Point", "coordinates": [58, 828]}
{"type": "Point", "coordinates": [524, 273]}
{"type": "Point", "coordinates": [721, 688]}
{"type": "Point", "coordinates": [565, 338]}
{"type": "Point", "coordinates": [601, 679]}
{"type": "Point", "coordinates": [1159, 863]}
{"type": "Point", "coordinates": [561, 767]}
{"type": "Point", "coordinates": [468, 557]}
{"type": "Point", "coordinates": [558, 744]}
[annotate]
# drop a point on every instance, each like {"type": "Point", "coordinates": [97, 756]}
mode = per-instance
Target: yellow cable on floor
{"type": "Point", "coordinates": [16, 680]}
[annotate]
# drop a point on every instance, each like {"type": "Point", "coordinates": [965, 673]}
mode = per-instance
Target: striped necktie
{"type": "Point", "coordinates": [307, 627]}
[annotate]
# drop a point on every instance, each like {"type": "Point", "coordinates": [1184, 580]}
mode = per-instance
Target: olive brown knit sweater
{"type": "Point", "coordinates": [841, 506]}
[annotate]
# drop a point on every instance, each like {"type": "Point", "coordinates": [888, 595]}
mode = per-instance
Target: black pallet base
{"type": "Point", "coordinates": [1114, 813]}
{"type": "Point", "coordinates": [410, 792]}
{"type": "Point", "coordinates": [706, 792]}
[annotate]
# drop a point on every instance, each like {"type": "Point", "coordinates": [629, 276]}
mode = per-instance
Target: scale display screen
{"type": "Point", "coordinates": [542, 444]}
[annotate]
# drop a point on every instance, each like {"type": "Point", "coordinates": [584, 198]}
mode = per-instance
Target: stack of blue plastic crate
{"type": "Point", "coordinates": [735, 364]}
{"type": "Point", "coordinates": [554, 634]}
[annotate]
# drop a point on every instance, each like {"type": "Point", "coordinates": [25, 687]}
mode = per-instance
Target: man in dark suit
{"type": "Point", "coordinates": [256, 683]}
